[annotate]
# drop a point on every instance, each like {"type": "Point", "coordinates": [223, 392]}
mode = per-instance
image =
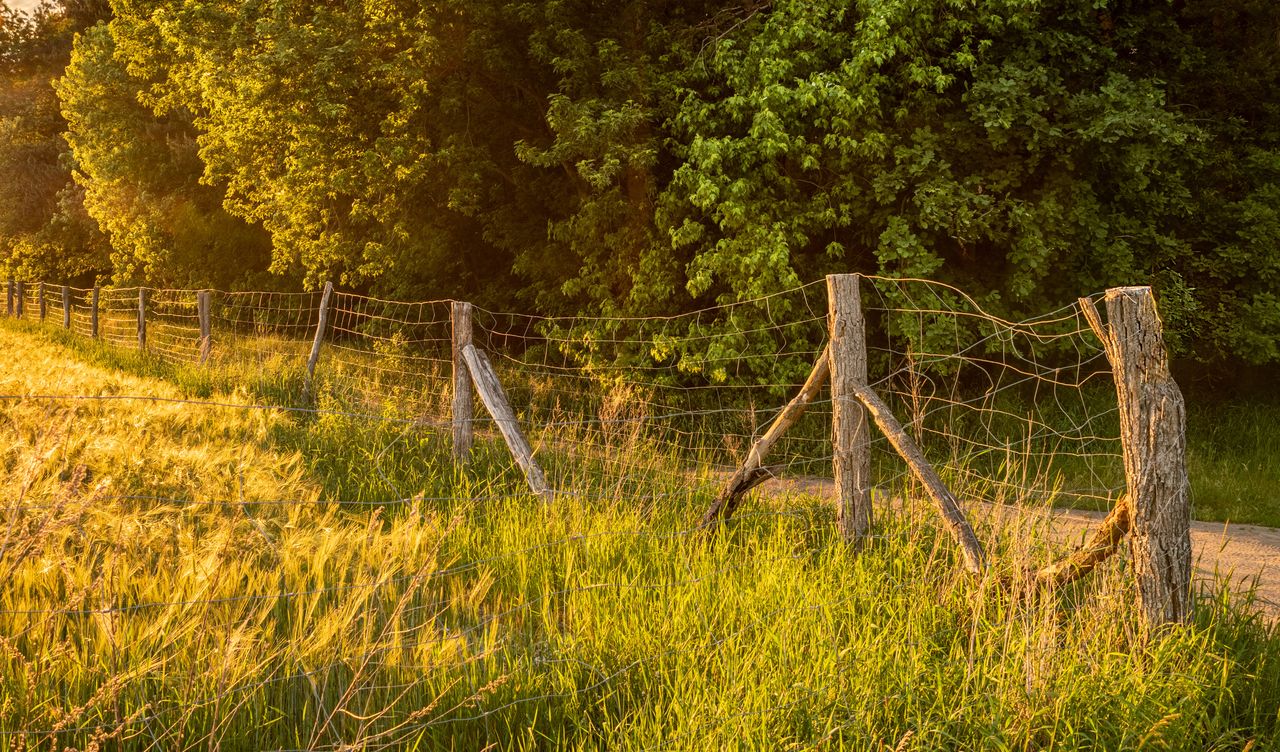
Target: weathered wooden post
{"type": "Point", "coordinates": [460, 314]}
{"type": "Point", "coordinates": [11, 288]}
{"type": "Point", "coordinates": [142, 318]}
{"type": "Point", "coordinates": [851, 436]}
{"type": "Point", "coordinates": [206, 325]}
{"type": "Point", "coordinates": [66, 307]}
{"type": "Point", "coordinates": [495, 401]}
{"type": "Point", "coordinates": [320, 326]}
{"type": "Point", "coordinates": [93, 312]}
{"type": "Point", "coordinates": [22, 298]}
{"type": "Point", "coordinates": [1153, 434]}
{"type": "Point", "coordinates": [41, 304]}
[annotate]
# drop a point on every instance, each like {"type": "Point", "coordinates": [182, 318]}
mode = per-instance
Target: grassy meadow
{"type": "Point", "coordinates": [226, 575]}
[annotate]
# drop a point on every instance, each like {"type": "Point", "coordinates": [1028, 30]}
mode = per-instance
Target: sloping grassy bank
{"type": "Point", "coordinates": [183, 576]}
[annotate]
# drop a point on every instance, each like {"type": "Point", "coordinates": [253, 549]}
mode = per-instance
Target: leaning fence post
{"type": "Point", "coordinates": [40, 302]}
{"type": "Point", "coordinates": [66, 307]}
{"type": "Point", "coordinates": [142, 318]}
{"type": "Point", "coordinates": [1153, 435]}
{"type": "Point", "coordinates": [10, 299]}
{"type": "Point", "coordinates": [22, 298]}
{"type": "Point", "coordinates": [206, 326]}
{"type": "Point", "coordinates": [93, 313]}
{"type": "Point", "coordinates": [324, 318]}
{"type": "Point", "coordinates": [462, 402]}
{"type": "Point", "coordinates": [851, 435]}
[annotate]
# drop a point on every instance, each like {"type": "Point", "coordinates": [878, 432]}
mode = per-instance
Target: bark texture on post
{"type": "Point", "coordinates": [948, 507]}
{"type": "Point", "coordinates": [463, 416]}
{"type": "Point", "coordinates": [142, 318]}
{"type": "Point", "coordinates": [495, 400]}
{"type": "Point", "coordinates": [753, 471]}
{"type": "Point", "coordinates": [1153, 432]}
{"type": "Point", "coordinates": [320, 327]}
{"type": "Point", "coordinates": [206, 325]}
{"type": "Point", "coordinates": [93, 313]}
{"type": "Point", "coordinates": [41, 303]}
{"type": "Point", "coordinates": [66, 307]}
{"type": "Point", "coordinates": [850, 433]}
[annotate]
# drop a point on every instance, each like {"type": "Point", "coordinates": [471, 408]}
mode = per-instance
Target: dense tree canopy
{"type": "Point", "coordinates": [650, 156]}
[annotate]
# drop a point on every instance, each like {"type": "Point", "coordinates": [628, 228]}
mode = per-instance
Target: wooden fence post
{"type": "Point", "coordinates": [22, 298]}
{"type": "Point", "coordinates": [463, 435]}
{"type": "Point", "coordinates": [142, 318]}
{"type": "Point", "coordinates": [10, 298]}
{"type": "Point", "coordinates": [1153, 433]}
{"type": "Point", "coordinates": [320, 326]}
{"type": "Point", "coordinates": [851, 435]}
{"type": "Point", "coordinates": [93, 313]}
{"type": "Point", "coordinates": [66, 307]}
{"type": "Point", "coordinates": [41, 303]}
{"type": "Point", "coordinates": [206, 325]}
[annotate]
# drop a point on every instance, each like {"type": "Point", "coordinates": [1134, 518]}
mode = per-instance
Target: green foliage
{"type": "Point", "coordinates": [44, 230]}
{"type": "Point", "coordinates": [1027, 152]}
{"type": "Point", "coordinates": [651, 156]}
{"type": "Point", "coordinates": [140, 172]}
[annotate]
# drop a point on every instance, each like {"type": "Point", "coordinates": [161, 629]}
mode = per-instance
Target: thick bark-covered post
{"type": "Point", "coordinates": [1153, 432]}
{"type": "Point", "coordinates": [851, 435]}
{"type": "Point", "coordinates": [462, 402]}
{"type": "Point", "coordinates": [9, 309]}
{"type": "Point", "coordinates": [93, 312]}
{"type": "Point", "coordinates": [41, 303]}
{"type": "Point", "coordinates": [206, 326]}
{"type": "Point", "coordinates": [22, 298]}
{"type": "Point", "coordinates": [66, 307]}
{"type": "Point", "coordinates": [142, 318]}
{"type": "Point", "coordinates": [320, 327]}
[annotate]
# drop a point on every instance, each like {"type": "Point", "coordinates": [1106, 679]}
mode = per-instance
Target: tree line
{"type": "Point", "coordinates": [643, 157]}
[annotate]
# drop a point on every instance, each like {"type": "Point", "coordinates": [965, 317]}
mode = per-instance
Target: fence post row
{"type": "Point", "coordinates": [460, 316]}
{"type": "Point", "coordinates": [66, 307]}
{"type": "Point", "coordinates": [320, 326]}
{"type": "Point", "coordinates": [850, 432]}
{"type": "Point", "coordinates": [206, 326]}
{"type": "Point", "coordinates": [40, 302]}
{"type": "Point", "coordinates": [1153, 434]}
{"type": "Point", "coordinates": [93, 313]}
{"type": "Point", "coordinates": [142, 318]}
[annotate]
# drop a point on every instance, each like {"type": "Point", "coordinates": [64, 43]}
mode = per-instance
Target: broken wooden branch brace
{"type": "Point", "coordinates": [495, 401]}
{"type": "Point", "coordinates": [753, 472]}
{"type": "Point", "coordinates": [1104, 542]}
{"type": "Point", "coordinates": [948, 507]}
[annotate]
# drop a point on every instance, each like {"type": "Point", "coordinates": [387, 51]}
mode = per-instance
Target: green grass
{"type": "Point", "coordinates": [1233, 457]}
{"type": "Point", "coordinates": [274, 596]}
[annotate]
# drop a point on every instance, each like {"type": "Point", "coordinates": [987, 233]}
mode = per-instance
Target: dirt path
{"type": "Point", "coordinates": [1244, 553]}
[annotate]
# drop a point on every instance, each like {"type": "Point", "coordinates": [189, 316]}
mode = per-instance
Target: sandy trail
{"type": "Point", "coordinates": [1244, 553]}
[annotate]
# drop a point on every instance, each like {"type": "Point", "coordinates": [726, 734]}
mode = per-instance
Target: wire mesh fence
{"type": "Point", "coordinates": [422, 639]}
{"type": "Point", "coordinates": [1010, 411]}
